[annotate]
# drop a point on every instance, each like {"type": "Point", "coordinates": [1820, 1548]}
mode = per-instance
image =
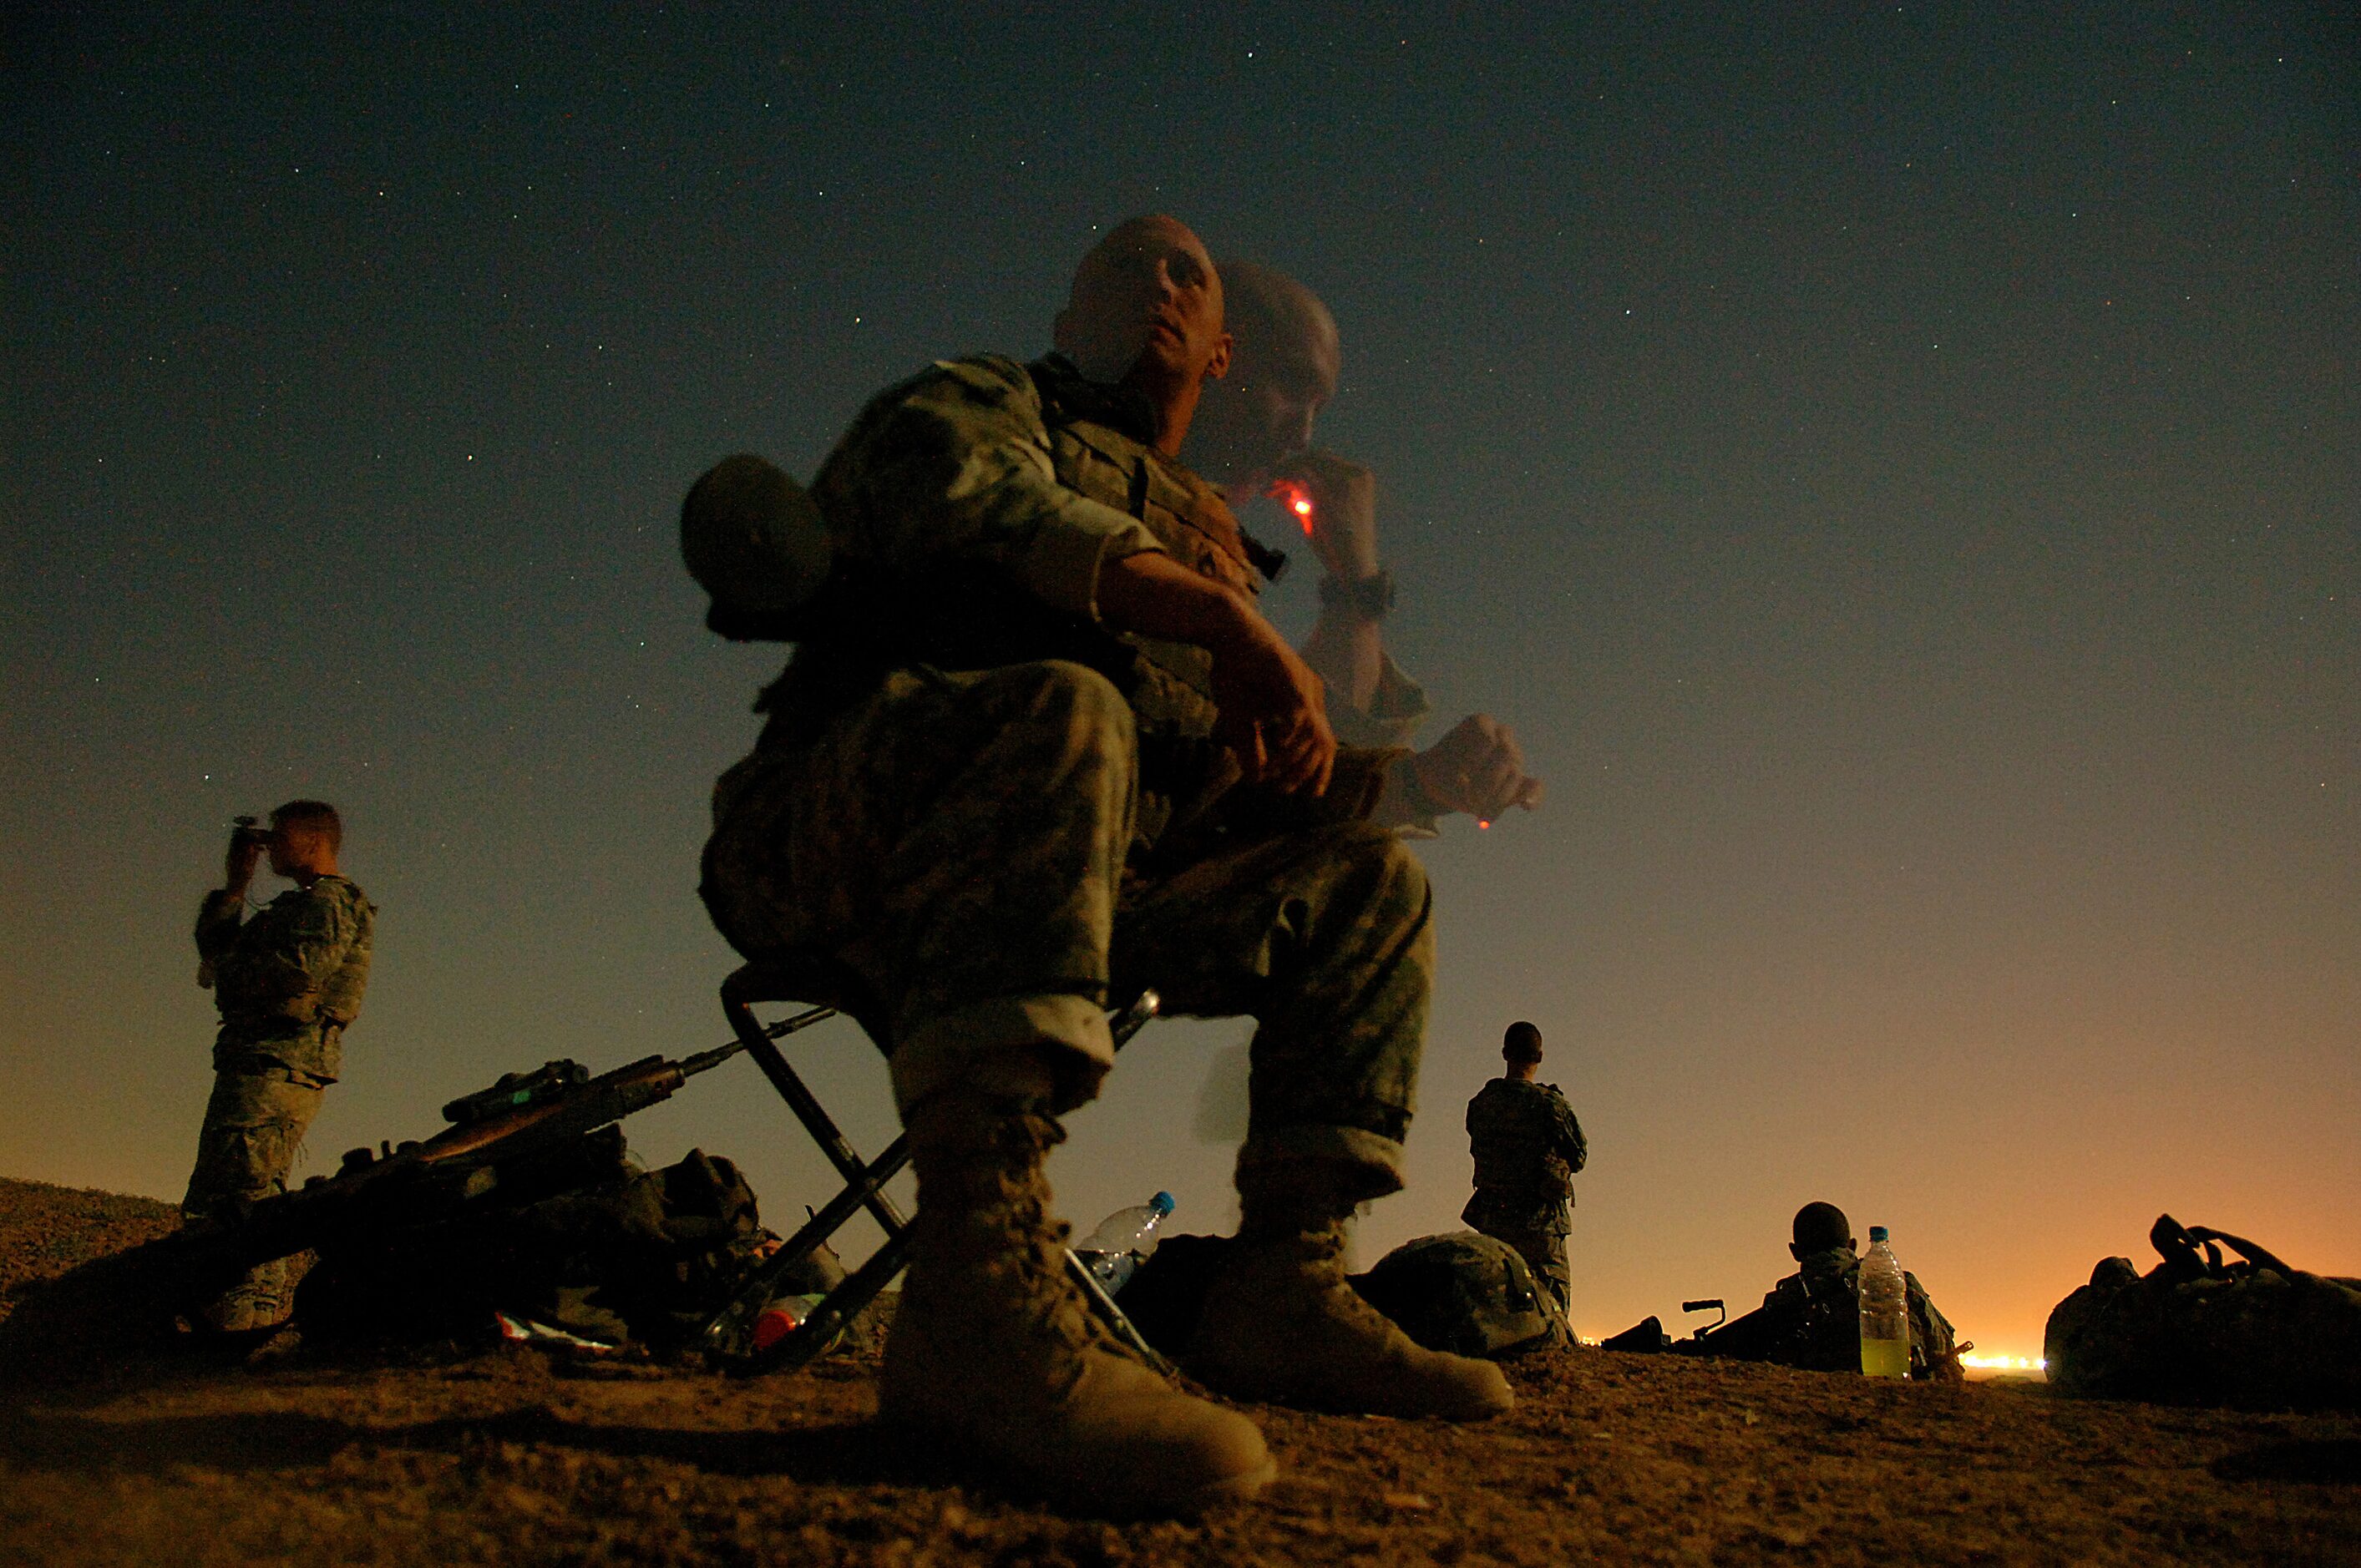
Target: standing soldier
{"type": "Point", "coordinates": [1527, 1147]}
{"type": "Point", "coordinates": [288, 983]}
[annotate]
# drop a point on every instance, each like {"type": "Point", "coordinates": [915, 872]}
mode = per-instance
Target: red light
{"type": "Point", "coordinates": [1297, 501]}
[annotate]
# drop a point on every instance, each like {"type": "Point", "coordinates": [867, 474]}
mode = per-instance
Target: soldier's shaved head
{"type": "Point", "coordinates": [304, 838]}
{"type": "Point", "coordinates": [1145, 310]}
{"type": "Point", "coordinates": [1522, 1043]}
{"type": "Point", "coordinates": [1820, 1227]}
{"type": "Point", "coordinates": [1280, 311]}
{"type": "Point", "coordinates": [1285, 366]}
{"type": "Point", "coordinates": [315, 816]}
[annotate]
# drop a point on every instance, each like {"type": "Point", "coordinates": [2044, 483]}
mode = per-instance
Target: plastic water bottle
{"type": "Point", "coordinates": [1885, 1311]}
{"type": "Point", "coordinates": [783, 1317]}
{"type": "Point", "coordinates": [1123, 1242]}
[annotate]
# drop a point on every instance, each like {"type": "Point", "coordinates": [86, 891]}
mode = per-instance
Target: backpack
{"type": "Point", "coordinates": [627, 1255]}
{"type": "Point", "coordinates": [2196, 1330]}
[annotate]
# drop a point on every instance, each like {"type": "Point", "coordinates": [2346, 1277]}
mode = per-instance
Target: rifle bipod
{"type": "Point", "coordinates": [727, 1337]}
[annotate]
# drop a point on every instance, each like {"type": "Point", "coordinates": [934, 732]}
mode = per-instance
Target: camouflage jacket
{"type": "Point", "coordinates": [288, 979]}
{"type": "Point", "coordinates": [1812, 1319]}
{"type": "Point", "coordinates": [1527, 1147]}
{"type": "Point", "coordinates": [972, 509]}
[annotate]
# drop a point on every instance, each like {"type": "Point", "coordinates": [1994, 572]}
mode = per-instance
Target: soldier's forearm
{"type": "Point", "coordinates": [218, 918]}
{"type": "Point", "coordinates": [1156, 596]}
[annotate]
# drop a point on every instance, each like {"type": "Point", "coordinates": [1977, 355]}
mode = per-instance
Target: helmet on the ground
{"type": "Point", "coordinates": [1462, 1292]}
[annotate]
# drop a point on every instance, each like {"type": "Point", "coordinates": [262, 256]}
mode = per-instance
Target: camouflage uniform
{"type": "Point", "coordinates": [1527, 1147]}
{"type": "Point", "coordinates": [994, 813]}
{"type": "Point", "coordinates": [1812, 1319]}
{"type": "Point", "coordinates": [288, 981]}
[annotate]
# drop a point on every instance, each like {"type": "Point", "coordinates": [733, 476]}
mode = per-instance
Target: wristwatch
{"type": "Point", "coordinates": [1373, 595]}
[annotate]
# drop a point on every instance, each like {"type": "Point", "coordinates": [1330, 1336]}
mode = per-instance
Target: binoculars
{"type": "Point", "coordinates": [250, 831]}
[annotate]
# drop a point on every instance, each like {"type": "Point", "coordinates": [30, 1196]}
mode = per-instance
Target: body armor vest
{"type": "Point", "coordinates": [958, 616]}
{"type": "Point", "coordinates": [1170, 690]}
{"type": "Point", "coordinates": [300, 1029]}
{"type": "Point", "coordinates": [1512, 1134]}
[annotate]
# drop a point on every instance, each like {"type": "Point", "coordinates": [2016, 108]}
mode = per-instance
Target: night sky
{"type": "Point", "coordinates": [1899, 468]}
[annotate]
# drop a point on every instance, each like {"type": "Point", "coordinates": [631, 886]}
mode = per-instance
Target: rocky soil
{"type": "Point", "coordinates": [493, 1455]}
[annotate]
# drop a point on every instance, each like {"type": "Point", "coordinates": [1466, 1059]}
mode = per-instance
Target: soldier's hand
{"type": "Point", "coordinates": [1344, 521]}
{"type": "Point", "coordinates": [244, 854]}
{"type": "Point", "coordinates": [1477, 768]}
{"type": "Point", "coordinates": [1274, 711]}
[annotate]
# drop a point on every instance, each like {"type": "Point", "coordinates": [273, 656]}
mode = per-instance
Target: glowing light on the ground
{"type": "Point", "coordinates": [2004, 1363]}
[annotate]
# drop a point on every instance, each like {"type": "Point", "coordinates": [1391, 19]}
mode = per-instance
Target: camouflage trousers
{"type": "Point", "coordinates": [1545, 1253]}
{"type": "Point", "coordinates": [958, 842]}
{"type": "Point", "coordinates": [254, 1124]}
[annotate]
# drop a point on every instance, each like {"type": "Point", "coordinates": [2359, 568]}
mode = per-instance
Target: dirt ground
{"type": "Point", "coordinates": [504, 1456]}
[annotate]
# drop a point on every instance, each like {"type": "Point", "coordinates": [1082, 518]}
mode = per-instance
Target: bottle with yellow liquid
{"type": "Point", "coordinates": [1885, 1311]}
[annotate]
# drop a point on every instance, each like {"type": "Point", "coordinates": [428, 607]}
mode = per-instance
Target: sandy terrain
{"type": "Point", "coordinates": [496, 1456]}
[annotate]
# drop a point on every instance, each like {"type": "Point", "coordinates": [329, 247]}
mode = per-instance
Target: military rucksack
{"type": "Point", "coordinates": [639, 1255]}
{"type": "Point", "coordinates": [2197, 1330]}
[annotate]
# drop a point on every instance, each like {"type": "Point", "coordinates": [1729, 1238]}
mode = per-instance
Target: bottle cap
{"type": "Point", "coordinates": [1161, 1204]}
{"type": "Point", "coordinates": [773, 1324]}
{"type": "Point", "coordinates": [1876, 1234]}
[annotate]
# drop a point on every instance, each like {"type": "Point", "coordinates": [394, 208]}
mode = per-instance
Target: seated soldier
{"type": "Point", "coordinates": [1039, 749]}
{"type": "Point", "coordinates": [1812, 1318]}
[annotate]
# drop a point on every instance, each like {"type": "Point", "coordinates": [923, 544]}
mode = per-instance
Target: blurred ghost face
{"type": "Point", "coordinates": [1283, 371]}
{"type": "Point", "coordinates": [1146, 308]}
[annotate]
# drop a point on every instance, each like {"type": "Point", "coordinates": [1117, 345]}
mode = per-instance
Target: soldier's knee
{"type": "Point", "coordinates": [1080, 695]}
{"type": "Point", "coordinates": [1398, 890]}
{"type": "Point", "coordinates": [1078, 714]}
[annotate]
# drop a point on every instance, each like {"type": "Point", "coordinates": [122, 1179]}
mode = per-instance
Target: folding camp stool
{"type": "Point", "coordinates": [826, 989]}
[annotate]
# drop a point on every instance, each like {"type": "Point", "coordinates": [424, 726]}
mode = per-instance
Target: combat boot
{"type": "Point", "coordinates": [992, 1353]}
{"type": "Point", "coordinates": [1280, 1323]}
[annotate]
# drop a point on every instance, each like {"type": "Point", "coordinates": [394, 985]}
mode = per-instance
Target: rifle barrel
{"type": "Point", "coordinates": [706, 1060]}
